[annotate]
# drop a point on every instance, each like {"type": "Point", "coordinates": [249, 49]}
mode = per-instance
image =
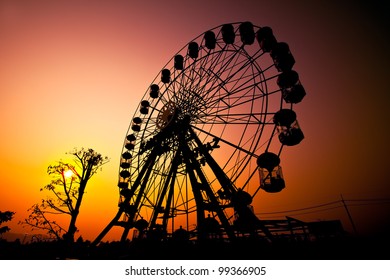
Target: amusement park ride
{"type": "Point", "coordinates": [207, 138]}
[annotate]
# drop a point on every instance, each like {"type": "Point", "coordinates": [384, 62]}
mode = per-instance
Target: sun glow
{"type": "Point", "coordinates": [68, 173]}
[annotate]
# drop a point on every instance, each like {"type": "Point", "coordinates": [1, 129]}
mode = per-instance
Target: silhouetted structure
{"type": "Point", "coordinates": [218, 115]}
{"type": "Point", "coordinates": [293, 239]}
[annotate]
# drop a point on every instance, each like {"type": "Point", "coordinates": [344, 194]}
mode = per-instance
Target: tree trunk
{"type": "Point", "coordinates": [69, 236]}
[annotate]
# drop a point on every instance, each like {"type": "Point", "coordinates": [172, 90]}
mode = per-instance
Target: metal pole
{"type": "Point", "coordinates": [349, 214]}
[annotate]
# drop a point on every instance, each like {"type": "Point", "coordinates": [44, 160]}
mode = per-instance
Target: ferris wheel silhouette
{"type": "Point", "coordinates": [207, 137]}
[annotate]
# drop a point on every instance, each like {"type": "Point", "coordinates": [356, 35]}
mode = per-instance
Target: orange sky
{"type": "Point", "coordinates": [72, 75]}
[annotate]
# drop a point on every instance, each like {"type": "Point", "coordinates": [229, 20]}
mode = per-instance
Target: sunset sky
{"type": "Point", "coordinates": [72, 74]}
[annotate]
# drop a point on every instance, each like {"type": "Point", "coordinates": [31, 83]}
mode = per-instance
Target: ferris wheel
{"type": "Point", "coordinates": [207, 137]}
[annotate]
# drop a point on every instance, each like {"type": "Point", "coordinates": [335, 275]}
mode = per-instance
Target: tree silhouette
{"type": "Point", "coordinates": [67, 189]}
{"type": "Point", "coordinates": [5, 217]}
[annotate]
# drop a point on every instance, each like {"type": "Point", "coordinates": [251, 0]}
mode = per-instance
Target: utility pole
{"type": "Point", "coordinates": [349, 214]}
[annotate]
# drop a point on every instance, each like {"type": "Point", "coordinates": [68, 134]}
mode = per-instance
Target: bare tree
{"type": "Point", "coordinates": [5, 217]}
{"type": "Point", "coordinates": [67, 189]}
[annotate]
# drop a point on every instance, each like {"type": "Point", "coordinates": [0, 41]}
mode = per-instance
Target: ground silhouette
{"type": "Point", "coordinates": [343, 248]}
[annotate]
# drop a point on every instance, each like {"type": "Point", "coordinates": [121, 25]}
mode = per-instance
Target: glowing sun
{"type": "Point", "coordinates": [68, 173]}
